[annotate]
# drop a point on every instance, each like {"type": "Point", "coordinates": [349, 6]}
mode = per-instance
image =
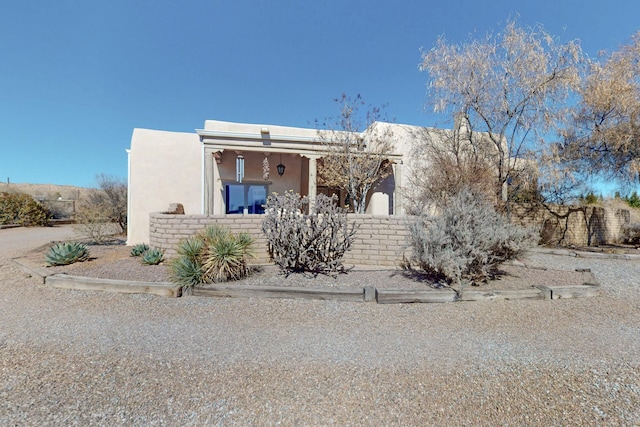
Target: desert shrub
{"type": "Point", "coordinates": [22, 209]}
{"type": "Point", "coordinates": [104, 211]}
{"type": "Point", "coordinates": [313, 242]}
{"type": "Point", "coordinates": [631, 233]}
{"type": "Point", "coordinates": [213, 255]}
{"type": "Point", "coordinates": [466, 242]}
{"type": "Point", "coordinates": [152, 256]}
{"type": "Point", "coordinates": [66, 253]}
{"type": "Point", "coordinates": [94, 222]}
{"type": "Point", "coordinates": [139, 249]}
{"type": "Point", "coordinates": [186, 268]}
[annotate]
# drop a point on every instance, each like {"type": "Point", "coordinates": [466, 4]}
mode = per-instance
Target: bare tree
{"type": "Point", "coordinates": [604, 138]}
{"type": "Point", "coordinates": [511, 86]}
{"type": "Point", "coordinates": [102, 207]}
{"type": "Point", "coordinates": [444, 163]}
{"type": "Point", "coordinates": [115, 198]}
{"type": "Point", "coordinates": [355, 152]}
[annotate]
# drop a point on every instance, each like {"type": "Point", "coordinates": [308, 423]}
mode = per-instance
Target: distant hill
{"type": "Point", "coordinates": [47, 191]}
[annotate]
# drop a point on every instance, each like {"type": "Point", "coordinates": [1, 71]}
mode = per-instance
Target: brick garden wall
{"type": "Point", "coordinates": [574, 225]}
{"type": "Point", "coordinates": [379, 240]}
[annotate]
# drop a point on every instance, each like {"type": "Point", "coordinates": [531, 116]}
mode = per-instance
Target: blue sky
{"type": "Point", "coordinates": [77, 76]}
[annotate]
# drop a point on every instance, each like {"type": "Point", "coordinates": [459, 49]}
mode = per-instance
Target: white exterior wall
{"type": "Point", "coordinates": [165, 168]}
{"type": "Point", "coordinates": [192, 168]}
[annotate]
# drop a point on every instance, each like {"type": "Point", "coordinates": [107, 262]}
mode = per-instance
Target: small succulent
{"type": "Point", "coordinates": [139, 249]}
{"type": "Point", "coordinates": [152, 256]}
{"type": "Point", "coordinates": [65, 253]}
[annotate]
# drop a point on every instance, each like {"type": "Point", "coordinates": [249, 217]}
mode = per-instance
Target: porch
{"type": "Point", "coordinates": [243, 164]}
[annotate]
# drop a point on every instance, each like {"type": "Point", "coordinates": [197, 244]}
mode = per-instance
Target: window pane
{"type": "Point", "coordinates": [256, 197]}
{"type": "Point", "coordinates": [235, 198]}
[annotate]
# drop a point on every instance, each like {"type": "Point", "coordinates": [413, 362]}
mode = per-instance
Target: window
{"type": "Point", "coordinates": [249, 198]}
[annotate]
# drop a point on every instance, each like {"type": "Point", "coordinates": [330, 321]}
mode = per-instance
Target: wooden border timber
{"type": "Point", "coordinates": [574, 291]}
{"type": "Point", "coordinates": [502, 294]}
{"type": "Point", "coordinates": [588, 288]}
{"type": "Point", "coordinates": [64, 281]}
{"type": "Point", "coordinates": [393, 296]}
{"type": "Point", "coordinates": [39, 272]}
{"type": "Point", "coordinates": [239, 291]}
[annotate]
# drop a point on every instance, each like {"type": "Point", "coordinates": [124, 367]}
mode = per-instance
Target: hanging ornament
{"type": "Point", "coordinates": [265, 169]}
{"type": "Point", "coordinates": [239, 168]}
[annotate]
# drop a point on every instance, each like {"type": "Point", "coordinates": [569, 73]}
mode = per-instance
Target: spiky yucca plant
{"type": "Point", "coordinates": [186, 268]}
{"type": "Point", "coordinates": [213, 255]}
{"type": "Point", "coordinates": [65, 253]}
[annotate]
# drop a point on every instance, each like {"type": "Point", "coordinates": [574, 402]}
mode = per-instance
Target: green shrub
{"type": "Point", "coordinates": [65, 253]}
{"type": "Point", "coordinates": [466, 242]}
{"type": "Point", "coordinates": [22, 209]}
{"type": "Point", "coordinates": [633, 200]}
{"type": "Point", "coordinates": [298, 241]}
{"type": "Point", "coordinates": [213, 255]}
{"type": "Point", "coordinates": [139, 249]}
{"type": "Point", "coordinates": [152, 256]}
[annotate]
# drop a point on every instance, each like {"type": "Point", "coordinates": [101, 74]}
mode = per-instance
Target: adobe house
{"type": "Point", "coordinates": [230, 168]}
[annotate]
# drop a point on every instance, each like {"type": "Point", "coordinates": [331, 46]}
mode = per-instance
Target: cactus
{"type": "Point", "coordinates": [152, 256]}
{"type": "Point", "coordinates": [139, 249]}
{"type": "Point", "coordinates": [66, 253]}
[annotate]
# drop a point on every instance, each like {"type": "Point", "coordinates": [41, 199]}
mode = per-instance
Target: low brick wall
{"type": "Point", "coordinates": [574, 225]}
{"type": "Point", "coordinates": [379, 240]}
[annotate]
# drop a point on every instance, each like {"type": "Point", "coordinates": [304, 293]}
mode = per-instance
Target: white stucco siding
{"type": "Point", "coordinates": [165, 168]}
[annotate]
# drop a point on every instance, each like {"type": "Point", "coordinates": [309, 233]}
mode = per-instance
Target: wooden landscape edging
{"type": "Point", "coordinates": [503, 294]}
{"type": "Point", "coordinates": [240, 291]}
{"type": "Point", "coordinates": [64, 281]}
{"type": "Point", "coordinates": [588, 288]}
{"type": "Point", "coordinates": [573, 291]}
{"type": "Point", "coordinates": [394, 296]}
{"type": "Point", "coordinates": [39, 272]}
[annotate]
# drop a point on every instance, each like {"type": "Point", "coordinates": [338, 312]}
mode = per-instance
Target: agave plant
{"type": "Point", "coordinates": [65, 253]}
{"type": "Point", "coordinates": [139, 249]}
{"type": "Point", "coordinates": [152, 256]}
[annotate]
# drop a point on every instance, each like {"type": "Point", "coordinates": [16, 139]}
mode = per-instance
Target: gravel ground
{"type": "Point", "coordinates": [114, 261]}
{"type": "Point", "coordinates": [92, 358]}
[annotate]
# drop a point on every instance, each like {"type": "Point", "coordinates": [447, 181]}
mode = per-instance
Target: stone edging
{"type": "Point", "coordinates": [589, 288]}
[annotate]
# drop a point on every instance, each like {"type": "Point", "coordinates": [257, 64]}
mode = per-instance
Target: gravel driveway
{"type": "Point", "coordinates": [90, 358]}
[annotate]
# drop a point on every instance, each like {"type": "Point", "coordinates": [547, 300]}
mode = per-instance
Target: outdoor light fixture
{"type": "Point", "coordinates": [280, 167]}
{"type": "Point", "coordinates": [240, 168]}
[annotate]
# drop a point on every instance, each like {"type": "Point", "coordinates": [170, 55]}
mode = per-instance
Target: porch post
{"type": "Point", "coordinates": [212, 186]}
{"type": "Point", "coordinates": [313, 180]}
{"type": "Point", "coordinates": [397, 189]}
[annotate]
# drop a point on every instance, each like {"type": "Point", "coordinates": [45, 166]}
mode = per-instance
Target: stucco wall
{"type": "Point", "coordinates": [378, 242]}
{"type": "Point", "coordinates": [163, 167]}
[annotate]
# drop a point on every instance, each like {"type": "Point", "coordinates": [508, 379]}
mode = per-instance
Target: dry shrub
{"type": "Point", "coordinates": [104, 211]}
{"type": "Point", "coordinates": [466, 242]}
